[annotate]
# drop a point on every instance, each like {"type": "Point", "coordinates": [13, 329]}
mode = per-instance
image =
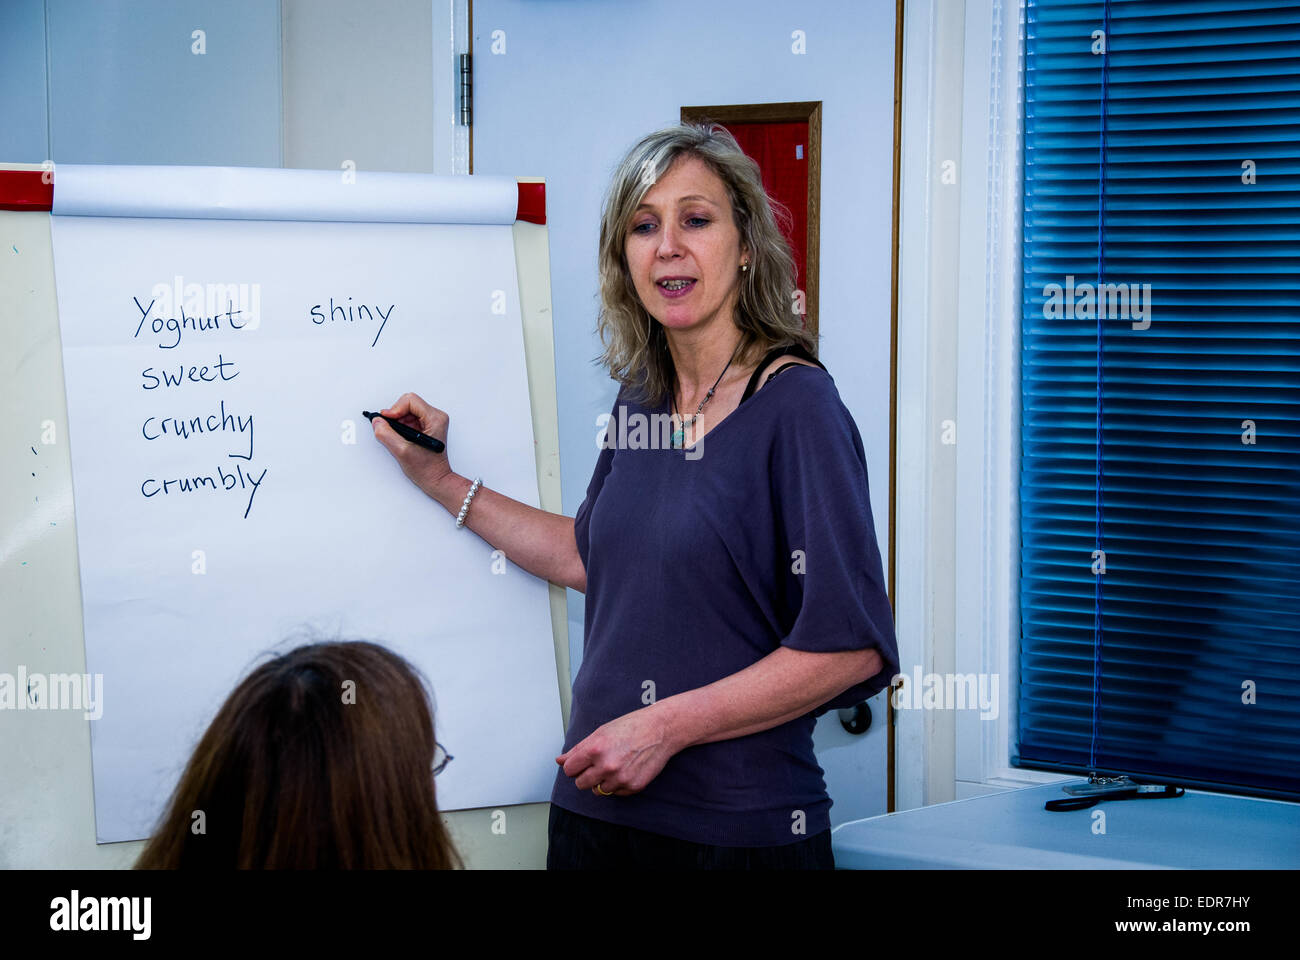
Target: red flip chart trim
{"type": "Point", "coordinates": [23, 190]}
{"type": "Point", "coordinates": [532, 203]}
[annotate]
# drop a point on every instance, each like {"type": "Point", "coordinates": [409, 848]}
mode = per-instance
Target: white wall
{"type": "Point", "coordinates": [118, 81]}
{"type": "Point", "coordinates": [127, 87]}
{"type": "Point", "coordinates": [358, 84]}
{"type": "Point", "coordinates": [24, 122]}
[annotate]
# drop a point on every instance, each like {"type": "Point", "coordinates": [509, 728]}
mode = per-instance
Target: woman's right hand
{"type": "Point", "coordinates": [426, 469]}
{"type": "Point", "coordinates": [535, 540]}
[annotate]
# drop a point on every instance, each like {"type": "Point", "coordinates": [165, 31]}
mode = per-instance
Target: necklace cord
{"type": "Point", "coordinates": [681, 432]}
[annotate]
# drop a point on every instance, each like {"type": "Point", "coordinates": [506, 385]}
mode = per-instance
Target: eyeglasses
{"type": "Point", "coordinates": [440, 758]}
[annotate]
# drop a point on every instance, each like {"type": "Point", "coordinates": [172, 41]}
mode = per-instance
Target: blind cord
{"type": "Point", "coordinates": [1100, 444]}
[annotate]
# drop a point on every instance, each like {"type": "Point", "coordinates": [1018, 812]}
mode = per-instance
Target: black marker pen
{"type": "Point", "coordinates": [409, 433]}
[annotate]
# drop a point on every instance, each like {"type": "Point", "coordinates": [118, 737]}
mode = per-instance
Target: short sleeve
{"type": "Point", "coordinates": [833, 578]}
{"type": "Point", "coordinates": [582, 519]}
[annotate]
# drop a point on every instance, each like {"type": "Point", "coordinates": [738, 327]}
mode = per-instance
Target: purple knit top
{"type": "Point", "coordinates": [702, 561]}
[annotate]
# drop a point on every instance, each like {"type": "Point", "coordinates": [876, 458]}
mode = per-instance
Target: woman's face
{"type": "Point", "coordinates": [684, 230]}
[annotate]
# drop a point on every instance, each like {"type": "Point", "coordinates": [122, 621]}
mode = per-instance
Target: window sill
{"type": "Point", "coordinates": [1010, 830]}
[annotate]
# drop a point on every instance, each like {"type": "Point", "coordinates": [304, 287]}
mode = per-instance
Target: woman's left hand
{"type": "Point", "coordinates": [622, 756]}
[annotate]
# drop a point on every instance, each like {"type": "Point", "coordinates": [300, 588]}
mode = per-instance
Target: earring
{"type": "Point", "coordinates": [744, 267]}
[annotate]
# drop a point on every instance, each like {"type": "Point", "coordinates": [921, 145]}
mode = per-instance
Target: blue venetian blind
{"type": "Point", "coordinates": [1161, 419]}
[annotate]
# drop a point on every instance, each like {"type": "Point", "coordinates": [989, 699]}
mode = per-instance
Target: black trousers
{"type": "Point", "coordinates": [581, 843]}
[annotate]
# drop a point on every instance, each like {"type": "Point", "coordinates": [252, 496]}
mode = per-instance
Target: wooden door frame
{"type": "Point", "coordinates": [811, 112]}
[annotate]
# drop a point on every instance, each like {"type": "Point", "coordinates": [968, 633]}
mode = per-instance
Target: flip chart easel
{"type": "Point", "coordinates": [48, 801]}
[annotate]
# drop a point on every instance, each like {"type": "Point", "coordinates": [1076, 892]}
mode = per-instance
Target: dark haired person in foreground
{"type": "Point", "coordinates": [322, 758]}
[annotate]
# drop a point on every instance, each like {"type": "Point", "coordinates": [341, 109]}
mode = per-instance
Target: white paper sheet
{"type": "Point", "coordinates": [334, 536]}
{"type": "Point", "coordinates": [258, 193]}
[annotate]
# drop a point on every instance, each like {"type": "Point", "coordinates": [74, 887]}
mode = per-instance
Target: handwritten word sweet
{"type": "Point", "coordinates": [194, 374]}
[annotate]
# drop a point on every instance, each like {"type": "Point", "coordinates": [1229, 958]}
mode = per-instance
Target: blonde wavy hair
{"type": "Point", "coordinates": [635, 346]}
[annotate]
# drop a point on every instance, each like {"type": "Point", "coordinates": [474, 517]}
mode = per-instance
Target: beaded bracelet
{"type": "Point", "coordinates": [464, 507]}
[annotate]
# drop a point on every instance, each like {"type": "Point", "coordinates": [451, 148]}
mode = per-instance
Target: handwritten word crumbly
{"type": "Point", "coordinates": [173, 326]}
{"type": "Point", "coordinates": [338, 314]}
{"type": "Point", "coordinates": [194, 374]}
{"type": "Point", "coordinates": [239, 479]}
{"type": "Point", "coordinates": [155, 428]}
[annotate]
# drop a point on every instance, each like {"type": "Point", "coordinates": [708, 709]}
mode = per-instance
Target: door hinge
{"type": "Point", "coordinates": [466, 90]}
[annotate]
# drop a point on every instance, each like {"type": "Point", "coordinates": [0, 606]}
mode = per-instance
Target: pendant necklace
{"type": "Point", "coordinates": [679, 435]}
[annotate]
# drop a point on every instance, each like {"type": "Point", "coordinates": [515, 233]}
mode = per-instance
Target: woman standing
{"type": "Point", "coordinates": [733, 588]}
